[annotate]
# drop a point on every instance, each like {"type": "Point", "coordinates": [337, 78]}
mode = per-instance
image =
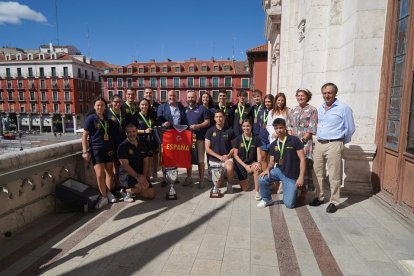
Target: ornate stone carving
{"type": "Point", "coordinates": [276, 3]}
{"type": "Point", "coordinates": [301, 29]}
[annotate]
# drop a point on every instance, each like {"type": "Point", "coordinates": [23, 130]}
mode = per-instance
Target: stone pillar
{"type": "Point", "coordinates": [51, 124]}
{"type": "Point", "coordinates": [74, 123]}
{"type": "Point", "coordinates": [63, 123]}
{"type": "Point", "coordinates": [18, 121]}
{"type": "Point", "coordinates": [29, 116]}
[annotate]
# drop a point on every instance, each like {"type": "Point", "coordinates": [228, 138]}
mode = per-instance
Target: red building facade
{"type": "Point", "coordinates": [205, 76]}
{"type": "Point", "coordinates": [47, 91]}
{"type": "Point", "coordinates": [257, 58]}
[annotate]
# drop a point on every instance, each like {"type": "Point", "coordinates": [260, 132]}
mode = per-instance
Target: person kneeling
{"type": "Point", "coordinates": [288, 151]}
{"type": "Point", "coordinates": [131, 155]}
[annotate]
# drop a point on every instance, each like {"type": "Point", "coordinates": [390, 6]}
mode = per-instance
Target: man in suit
{"type": "Point", "coordinates": [172, 112]}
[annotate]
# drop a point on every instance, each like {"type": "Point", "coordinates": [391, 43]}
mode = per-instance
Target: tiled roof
{"type": "Point", "coordinates": [261, 48]}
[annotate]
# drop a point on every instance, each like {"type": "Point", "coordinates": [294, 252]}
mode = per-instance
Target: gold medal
{"type": "Point", "coordinates": [106, 137]}
{"type": "Point", "coordinates": [281, 162]}
{"type": "Point", "coordinates": [255, 120]}
{"type": "Point", "coordinates": [241, 120]}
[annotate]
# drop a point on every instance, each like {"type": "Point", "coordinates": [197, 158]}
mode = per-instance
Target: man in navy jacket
{"type": "Point", "coordinates": [172, 112]}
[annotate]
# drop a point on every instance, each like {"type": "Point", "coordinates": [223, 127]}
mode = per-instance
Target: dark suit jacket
{"type": "Point", "coordinates": [164, 114]}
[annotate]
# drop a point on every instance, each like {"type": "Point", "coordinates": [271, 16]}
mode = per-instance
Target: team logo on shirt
{"type": "Point", "coordinates": [110, 153]}
{"type": "Point", "coordinates": [131, 152]}
{"type": "Point", "coordinates": [178, 138]}
{"type": "Point", "coordinates": [97, 125]}
{"type": "Point", "coordinates": [242, 145]}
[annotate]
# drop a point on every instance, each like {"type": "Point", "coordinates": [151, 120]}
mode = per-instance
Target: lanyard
{"type": "Point", "coordinates": [241, 111]}
{"type": "Point", "coordinates": [256, 111]}
{"type": "Point", "coordinates": [148, 123]}
{"type": "Point", "coordinates": [118, 119]}
{"type": "Point", "coordinates": [281, 149]}
{"type": "Point", "coordinates": [130, 108]}
{"type": "Point", "coordinates": [247, 147]}
{"type": "Point", "coordinates": [104, 126]}
{"type": "Point", "coordinates": [265, 116]}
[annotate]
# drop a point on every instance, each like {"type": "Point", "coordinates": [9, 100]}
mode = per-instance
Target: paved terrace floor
{"type": "Point", "coordinates": [196, 235]}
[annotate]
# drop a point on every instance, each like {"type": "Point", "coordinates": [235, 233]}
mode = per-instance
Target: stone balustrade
{"type": "Point", "coordinates": [28, 179]}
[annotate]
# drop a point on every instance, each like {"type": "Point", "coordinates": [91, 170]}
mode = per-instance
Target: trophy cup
{"type": "Point", "coordinates": [171, 174]}
{"type": "Point", "coordinates": [216, 175]}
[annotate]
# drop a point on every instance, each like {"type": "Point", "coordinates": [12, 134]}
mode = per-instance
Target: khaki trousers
{"type": "Point", "coordinates": [328, 155]}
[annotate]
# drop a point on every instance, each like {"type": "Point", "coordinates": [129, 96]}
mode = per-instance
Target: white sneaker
{"type": "Point", "coordinates": [258, 196]}
{"type": "Point", "coordinates": [111, 197]}
{"type": "Point", "coordinates": [101, 203]}
{"type": "Point", "coordinates": [263, 204]}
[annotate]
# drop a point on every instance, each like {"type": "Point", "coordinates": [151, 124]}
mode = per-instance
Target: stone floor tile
{"type": "Point", "coordinates": [240, 218]}
{"type": "Point", "coordinates": [263, 252]}
{"type": "Point", "coordinates": [212, 247]}
{"type": "Point", "coordinates": [19, 266]}
{"type": "Point", "coordinates": [168, 273]}
{"type": "Point", "coordinates": [62, 268]}
{"type": "Point", "coordinates": [218, 225]}
{"type": "Point", "coordinates": [206, 267]}
{"type": "Point", "coordinates": [368, 249]}
{"type": "Point", "coordinates": [383, 268]}
{"type": "Point", "coordinates": [238, 237]}
{"type": "Point", "coordinates": [307, 264]}
{"type": "Point", "coordinates": [408, 266]}
{"type": "Point", "coordinates": [261, 270]}
{"type": "Point", "coordinates": [236, 262]}
{"type": "Point", "coordinates": [349, 260]}
{"type": "Point", "coordinates": [261, 228]}
{"type": "Point", "coordinates": [180, 264]}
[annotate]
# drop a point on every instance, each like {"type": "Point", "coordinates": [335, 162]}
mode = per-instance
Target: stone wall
{"type": "Point", "coordinates": [28, 179]}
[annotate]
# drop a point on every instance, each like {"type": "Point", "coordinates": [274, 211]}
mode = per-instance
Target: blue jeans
{"type": "Point", "coordinates": [289, 187]}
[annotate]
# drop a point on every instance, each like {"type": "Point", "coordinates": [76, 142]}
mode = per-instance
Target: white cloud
{"type": "Point", "coordinates": [13, 13]}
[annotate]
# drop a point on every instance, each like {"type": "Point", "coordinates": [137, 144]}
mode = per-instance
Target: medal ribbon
{"type": "Point", "coordinates": [256, 111]}
{"type": "Point", "coordinates": [118, 119]}
{"type": "Point", "coordinates": [281, 149]}
{"type": "Point", "coordinates": [240, 111]}
{"type": "Point", "coordinates": [130, 108]}
{"type": "Point", "coordinates": [104, 126]}
{"type": "Point", "coordinates": [148, 123]}
{"type": "Point", "coordinates": [247, 147]}
{"type": "Point", "coordinates": [265, 116]}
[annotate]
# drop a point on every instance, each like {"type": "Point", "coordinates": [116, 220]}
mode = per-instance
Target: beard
{"type": "Point", "coordinates": [191, 103]}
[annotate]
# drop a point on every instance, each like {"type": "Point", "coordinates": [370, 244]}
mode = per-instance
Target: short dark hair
{"type": "Point", "coordinates": [219, 111]}
{"type": "Point", "coordinates": [279, 122]}
{"type": "Point", "coordinates": [116, 96]}
{"type": "Point", "coordinates": [130, 125]}
{"type": "Point", "coordinates": [257, 92]}
{"type": "Point", "coordinates": [241, 92]}
{"type": "Point", "coordinates": [330, 84]}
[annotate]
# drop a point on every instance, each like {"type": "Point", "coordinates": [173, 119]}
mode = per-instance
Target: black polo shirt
{"type": "Point", "coordinates": [129, 111]}
{"type": "Point", "coordinates": [291, 161]}
{"type": "Point", "coordinates": [251, 156]}
{"type": "Point", "coordinates": [237, 117]}
{"type": "Point", "coordinates": [220, 141]}
{"type": "Point", "coordinates": [119, 121]}
{"type": "Point", "coordinates": [134, 155]}
{"type": "Point", "coordinates": [96, 128]}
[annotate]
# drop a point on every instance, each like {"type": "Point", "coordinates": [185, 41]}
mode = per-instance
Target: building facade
{"type": "Point", "coordinates": [257, 58]}
{"type": "Point", "coordinates": [366, 48]}
{"type": "Point", "coordinates": [204, 76]}
{"type": "Point", "coordinates": [47, 90]}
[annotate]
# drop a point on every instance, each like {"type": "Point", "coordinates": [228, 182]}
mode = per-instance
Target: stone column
{"type": "Point", "coordinates": [63, 123]}
{"type": "Point", "coordinates": [74, 123]}
{"type": "Point", "coordinates": [29, 116]}
{"type": "Point", "coordinates": [18, 121]}
{"type": "Point", "coordinates": [51, 123]}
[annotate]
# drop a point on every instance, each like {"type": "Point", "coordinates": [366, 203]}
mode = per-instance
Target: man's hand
{"type": "Point", "coordinates": [299, 182]}
{"type": "Point", "coordinates": [264, 173]}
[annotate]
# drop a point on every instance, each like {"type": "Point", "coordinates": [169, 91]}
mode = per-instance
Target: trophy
{"type": "Point", "coordinates": [171, 174]}
{"type": "Point", "coordinates": [216, 174]}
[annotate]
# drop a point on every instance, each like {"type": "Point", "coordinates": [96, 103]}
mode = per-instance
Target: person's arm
{"type": "Point", "coordinates": [204, 124]}
{"type": "Point", "coordinates": [266, 171]}
{"type": "Point", "coordinates": [301, 155]}
{"type": "Point", "coordinates": [349, 125]}
{"type": "Point", "coordinates": [139, 177]}
{"type": "Point", "coordinates": [85, 150]}
{"type": "Point", "coordinates": [238, 159]}
{"type": "Point", "coordinates": [259, 159]}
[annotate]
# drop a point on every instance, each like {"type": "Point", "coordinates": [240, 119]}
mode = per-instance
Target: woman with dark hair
{"type": "Point", "coordinates": [98, 129]}
{"type": "Point", "coordinates": [263, 117]}
{"type": "Point", "coordinates": [302, 123]}
{"type": "Point", "coordinates": [145, 122]}
{"type": "Point", "coordinates": [246, 148]}
{"type": "Point", "coordinates": [207, 101]}
{"type": "Point", "coordinates": [117, 116]}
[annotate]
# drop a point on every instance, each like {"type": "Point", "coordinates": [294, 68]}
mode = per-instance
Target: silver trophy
{"type": "Point", "coordinates": [217, 172]}
{"type": "Point", "coordinates": [171, 174]}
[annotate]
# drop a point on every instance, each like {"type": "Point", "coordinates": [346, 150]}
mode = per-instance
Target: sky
{"type": "Point", "coordinates": [122, 31]}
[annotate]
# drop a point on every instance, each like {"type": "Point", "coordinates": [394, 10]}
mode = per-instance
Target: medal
{"type": "Point", "coordinates": [247, 147]}
{"type": "Point", "coordinates": [281, 150]}
{"type": "Point", "coordinates": [106, 137]}
{"type": "Point", "coordinates": [280, 162]}
{"type": "Point", "coordinates": [256, 112]}
{"type": "Point", "coordinates": [105, 127]}
{"type": "Point", "coordinates": [255, 120]}
{"type": "Point", "coordinates": [118, 119]}
{"type": "Point", "coordinates": [241, 111]}
{"type": "Point", "coordinates": [148, 123]}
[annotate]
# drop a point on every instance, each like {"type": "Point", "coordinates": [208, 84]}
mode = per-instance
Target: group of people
{"type": "Point", "coordinates": [264, 139]}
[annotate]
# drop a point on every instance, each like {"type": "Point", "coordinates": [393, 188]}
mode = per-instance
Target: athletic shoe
{"type": "Point", "coordinates": [263, 204]}
{"type": "Point", "coordinates": [188, 181]}
{"type": "Point", "coordinates": [153, 176]}
{"type": "Point", "coordinates": [101, 203]}
{"type": "Point", "coordinates": [258, 196]}
{"type": "Point", "coordinates": [111, 197]}
{"type": "Point", "coordinates": [127, 196]}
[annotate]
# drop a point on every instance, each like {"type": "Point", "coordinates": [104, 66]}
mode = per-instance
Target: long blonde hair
{"type": "Point", "coordinates": [284, 111]}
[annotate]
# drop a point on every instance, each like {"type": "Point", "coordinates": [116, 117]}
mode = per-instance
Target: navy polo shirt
{"type": "Point", "coordinates": [96, 132]}
{"type": "Point", "coordinates": [263, 133]}
{"type": "Point", "coordinates": [228, 113]}
{"type": "Point", "coordinates": [291, 161]}
{"type": "Point", "coordinates": [236, 117]}
{"type": "Point", "coordinates": [256, 121]}
{"type": "Point", "coordinates": [134, 154]}
{"type": "Point", "coordinates": [220, 141]}
{"type": "Point", "coordinates": [119, 122]}
{"type": "Point", "coordinates": [197, 115]}
{"type": "Point", "coordinates": [139, 122]}
{"type": "Point", "coordinates": [251, 156]}
{"type": "Point", "coordinates": [129, 111]}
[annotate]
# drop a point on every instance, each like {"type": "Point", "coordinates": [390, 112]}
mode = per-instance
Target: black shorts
{"type": "Point", "coordinates": [102, 156]}
{"type": "Point", "coordinates": [128, 181]}
{"type": "Point", "coordinates": [240, 170]}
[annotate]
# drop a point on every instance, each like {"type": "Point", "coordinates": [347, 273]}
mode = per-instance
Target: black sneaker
{"type": "Point", "coordinates": [316, 202]}
{"type": "Point", "coordinates": [331, 208]}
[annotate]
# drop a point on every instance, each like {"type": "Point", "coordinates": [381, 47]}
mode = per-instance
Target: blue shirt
{"type": "Point", "coordinates": [175, 113]}
{"type": "Point", "coordinates": [337, 122]}
{"type": "Point", "coordinates": [197, 115]}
